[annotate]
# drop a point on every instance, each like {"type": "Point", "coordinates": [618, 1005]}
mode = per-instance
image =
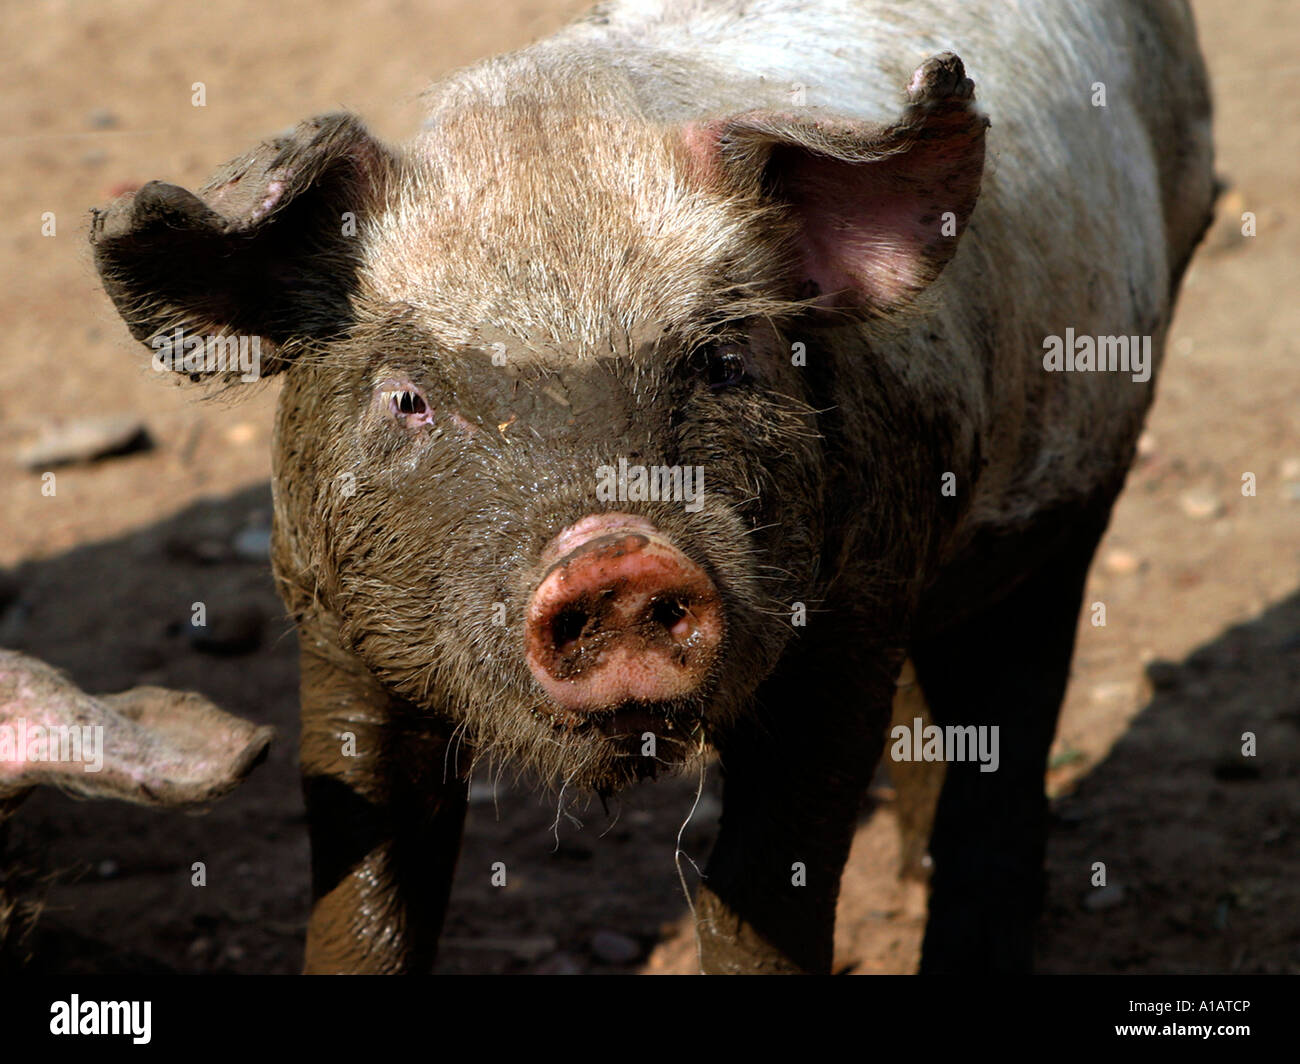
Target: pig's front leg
{"type": "Point", "coordinates": [795, 776]}
{"type": "Point", "coordinates": [386, 807]}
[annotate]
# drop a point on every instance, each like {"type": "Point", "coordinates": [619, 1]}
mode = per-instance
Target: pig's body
{"type": "Point", "coordinates": [605, 248]}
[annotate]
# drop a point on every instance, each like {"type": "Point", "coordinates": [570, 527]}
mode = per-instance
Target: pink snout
{"type": "Point", "coordinates": [621, 616]}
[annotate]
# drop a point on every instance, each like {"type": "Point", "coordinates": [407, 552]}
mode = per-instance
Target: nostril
{"type": "Point", "coordinates": [567, 628]}
{"type": "Point", "coordinates": [621, 615]}
{"type": "Point", "coordinates": [671, 614]}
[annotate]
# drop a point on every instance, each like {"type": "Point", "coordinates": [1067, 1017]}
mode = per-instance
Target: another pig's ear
{"type": "Point", "coordinates": [266, 249]}
{"type": "Point", "coordinates": [879, 209]}
{"type": "Point", "coordinates": [148, 745]}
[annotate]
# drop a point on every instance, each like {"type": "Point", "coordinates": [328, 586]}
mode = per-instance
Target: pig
{"type": "Point", "coordinates": [686, 374]}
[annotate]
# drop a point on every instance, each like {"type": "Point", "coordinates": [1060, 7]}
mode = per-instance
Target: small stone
{"type": "Point", "coordinates": [107, 868]}
{"type": "Point", "coordinates": [200, 946]}
{"type": "Point", "coordinates": [1146, 446]}
{"type": "Point", "coordinates": [1101, 899]}
{"type": "Point", "coordinates": [241, 432]}
{"type": "Point", "coordinates": [611, 947]}
{"type": "Point", "coordinates": [1112, 691]}
{"type": "Point", "coordinates": [84, 441]}
{"type": "Point", "coordinates": [252, 545]}
{"type": "Point", "coordinates": [101, 118]}
{"type": "Point", "coordinates": [229, 631]}
{"type": "Point", "coordinates": [1291, 469]}
{"type": "Point", "coordinates": [1200, 505]}
{"type": "Point", "coordinates": [1121, 562]}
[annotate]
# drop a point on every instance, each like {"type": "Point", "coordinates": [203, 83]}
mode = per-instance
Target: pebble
{"type": "Point", "coordinates": [1121, 562]}
{"type": "Point", "coordinates": [1200, 505]}
{"type": "Point", "coordinates": [85, 440]}
{"type": "Point", "coordinates": [252, 545]}
{"type": "Point", "coordinates": [1291, 469]}
{"type": "Point", "coordinates": [1113, 691]}
{"type": "Point", "coordinates": [611, 947]}
{"type": "Point", "coordinates": [107, 868]}
{"type": "Point", "coordinates": [101, 118]}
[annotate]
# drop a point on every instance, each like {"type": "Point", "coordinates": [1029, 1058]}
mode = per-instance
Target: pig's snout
{"type": "Point", "coordinates": [622, 616]}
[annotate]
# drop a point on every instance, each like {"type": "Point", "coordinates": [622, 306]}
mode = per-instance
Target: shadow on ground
{"type": "Point", "coordinates": [1199, 843]}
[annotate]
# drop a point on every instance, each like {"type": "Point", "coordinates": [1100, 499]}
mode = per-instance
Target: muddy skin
{"type": "Point", "coordinates": [498, 327]}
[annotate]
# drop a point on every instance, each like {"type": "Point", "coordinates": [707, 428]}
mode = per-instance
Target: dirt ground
{"type": "Point", "coordinates": [1201, 583]}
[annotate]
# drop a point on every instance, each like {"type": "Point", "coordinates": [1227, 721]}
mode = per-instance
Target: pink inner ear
{"type": "Point", "coordinates": [867, 228]}
{"type": "Point", "coordinates": [872, 232]}
{"type": "Point", "coordinates": [877, 229]}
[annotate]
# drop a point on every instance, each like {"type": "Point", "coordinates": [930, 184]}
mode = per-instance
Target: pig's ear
{"type": "Point", "coordinates": [266, 249]}
{"type": "Point", "coordinates": [878, 209]}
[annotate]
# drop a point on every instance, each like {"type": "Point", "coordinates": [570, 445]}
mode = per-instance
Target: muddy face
{"type": "Point", "coordinates": [488, 546]}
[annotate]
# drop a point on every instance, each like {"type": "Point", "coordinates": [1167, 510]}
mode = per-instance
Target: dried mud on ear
{"type": "Point", "coordinates": [267, 249]}
{"type": "Point", "coordinates": [148, 745]}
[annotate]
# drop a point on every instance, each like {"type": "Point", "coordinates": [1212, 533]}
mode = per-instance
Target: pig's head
{"type": "Point", "coordinates": [544, 456]}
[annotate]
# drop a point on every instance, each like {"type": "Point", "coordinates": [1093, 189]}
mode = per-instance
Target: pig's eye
{"type": "Point", "coordinates": [722, 365]}
{"type": "Point", "coordinates": [404, 402]}
{"type": "Point", "coordinates": [410, 403]}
